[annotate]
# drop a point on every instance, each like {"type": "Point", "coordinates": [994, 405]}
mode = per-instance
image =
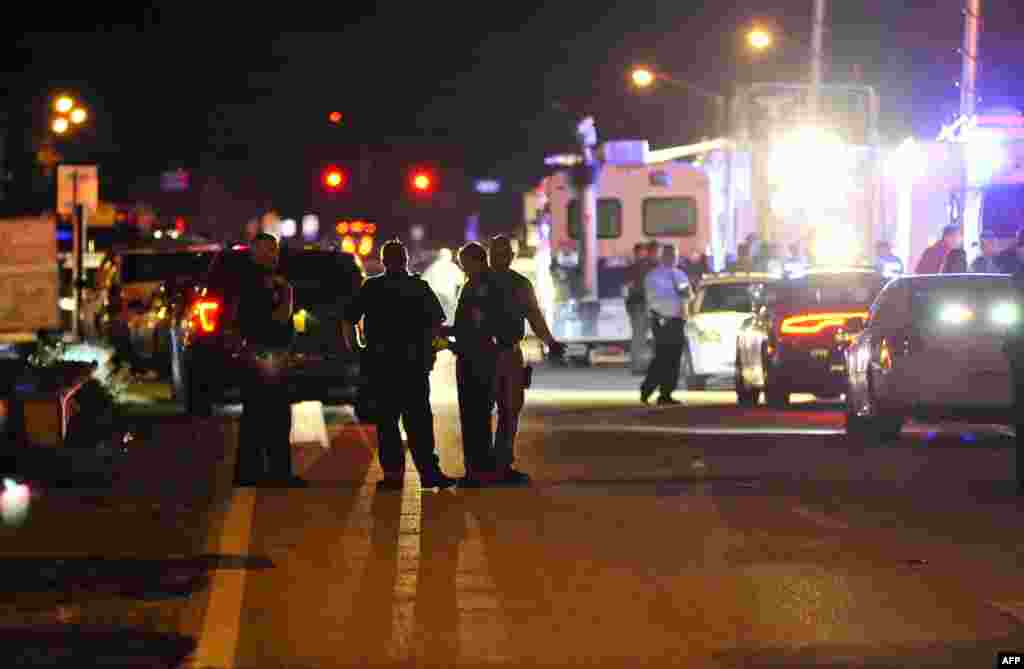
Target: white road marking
{"type": "Point", "coordinates": [820, 519]}
{"type": "Point", "coordinates": [697, 430]}
{"type": "Point", "coordinates": [218, 642]}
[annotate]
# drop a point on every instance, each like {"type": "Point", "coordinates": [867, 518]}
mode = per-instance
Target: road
{"type": "Point", "coordinates": [699, 536]}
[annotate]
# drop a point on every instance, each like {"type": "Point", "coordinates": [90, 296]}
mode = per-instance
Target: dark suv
{"type": "Point", "coordinates": [206, 342]}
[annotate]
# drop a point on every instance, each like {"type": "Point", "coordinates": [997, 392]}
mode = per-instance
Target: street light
{"type": "Point", "coordinates": [643, 77]}
{"type": "Point", "coordinates": [63, 104]}
{"type": "Point", "coordinates": [60, 125]}
{"type": "Point", "coordinates": [760, 39]}
{"type": "Point", "coordinates": [78, 116]}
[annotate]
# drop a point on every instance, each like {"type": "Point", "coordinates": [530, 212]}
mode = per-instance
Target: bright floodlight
{"type": "Point", "coordinates": [643, 77]}
{"type": "Point", "coordinates": [907, 162]}
{"type": "Point", "coordinates": [60, 125]}
{"type": "Point", "coordinates": [64, 104]}
{"type": "Point", "coordinates": [814, 166]}
{"type": "Point", "coordinates": [288, 227]}
{"type": "Point", "coordinates": [835, 243]}
{"type": "Point", "coordinates": [759, 39]}
{"type": "Point", "coordinates": [986, 156]}
{"type": "Point", "coordinates": [1005, 314]}
{"type": "Point", "coordinates": [956, 314]}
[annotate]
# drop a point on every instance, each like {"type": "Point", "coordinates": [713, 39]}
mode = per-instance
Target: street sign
{"type": "Point", "coordinates": [88, 187]}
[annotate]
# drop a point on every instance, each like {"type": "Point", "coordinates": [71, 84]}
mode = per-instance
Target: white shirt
{"type": "Point", "coordinates": [667, 290]}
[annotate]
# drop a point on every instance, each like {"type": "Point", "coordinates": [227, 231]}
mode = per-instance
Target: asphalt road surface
{"type": "Point", "coordinates": [698, 536]}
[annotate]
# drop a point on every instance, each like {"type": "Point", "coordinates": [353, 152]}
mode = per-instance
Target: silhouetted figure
{"type": "Point", "coordinates": [668, 291]}
{"type": "Point", "coordinates": [516, 304]}
{"type": "Point", "coordinates": [401, 317]}
{"type": "Point", "coordinates": [265, 320]}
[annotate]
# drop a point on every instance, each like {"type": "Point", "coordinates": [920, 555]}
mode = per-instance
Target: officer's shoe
{"type": "Point", "coordinates": [645, 394]}
{"type": "Point", "coordinates": [513, 477]}
{"type": "Point", "coordinates": [480, 480]}
{"type": "Point", "coordinates": [668, 400]}
{"type": "Point", "coordinates": [437, 480]}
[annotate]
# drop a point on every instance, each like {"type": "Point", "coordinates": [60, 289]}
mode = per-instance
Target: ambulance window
{"type": "Point", "coordinates": [670, 216]}
{"type": "Point", "coordinates": [609, 218]}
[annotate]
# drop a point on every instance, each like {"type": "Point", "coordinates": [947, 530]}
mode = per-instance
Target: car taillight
{"type": "Point", "coordinates": [811, 324]}
{"type": "Point", "coordinates": [206, 315]}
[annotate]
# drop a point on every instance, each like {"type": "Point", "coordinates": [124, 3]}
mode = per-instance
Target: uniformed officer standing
{"type": "Point", "coordinates": [1015, 351]}
{"type": "Point", "coordinates": [476, 359]}
{"type": "Point", "coordinates": [517, 303]}
{"type": "Point", "coordinates": [401, 316]}
{"type": "Point", "coordinates": [265, 320]}
{"type": "Point", "coordinates": [668, 290]}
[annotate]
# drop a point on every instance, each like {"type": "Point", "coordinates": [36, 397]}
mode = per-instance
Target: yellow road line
{"type": "Point", "coordinates": [218, 642]}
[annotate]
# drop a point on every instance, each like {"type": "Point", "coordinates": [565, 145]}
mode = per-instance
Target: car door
{"type": "Point", "coordinates": [324, 284]}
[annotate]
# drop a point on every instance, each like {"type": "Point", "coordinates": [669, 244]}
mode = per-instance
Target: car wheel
{"type": "Point", "coordinates": [875, 425]}
{"type": "Point", "coordinates": [745, 396]}
{"type": "Point", "coordinates": [776, 395]}
{"type": "Point", "coordinates": [693, 381]}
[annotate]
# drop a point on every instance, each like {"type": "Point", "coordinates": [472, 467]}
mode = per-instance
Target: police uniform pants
{"type": "Point", "coordinates": [475, 375]}
{"type": "Point", "coordinates": [639, 350]}
{"type": "Point", "coordinates": [669, 340]}
{"type": "Point", "coordinates": [264, 432]}
{"type": "Point", "coordinates": [510, 395]}
{"type": "Point", "coordinates": [402, 394]}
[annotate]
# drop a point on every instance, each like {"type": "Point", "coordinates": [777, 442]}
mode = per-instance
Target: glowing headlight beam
{"type": "Point", "coordinates": [956, 314]}
{"type": "Point", "coordinates": [1005, 314]}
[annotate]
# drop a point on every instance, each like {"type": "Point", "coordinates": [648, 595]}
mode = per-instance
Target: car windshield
{"type": "Point", "coordinates": [988, 303]}
{"type": "Point", "coordinates": [825, 289]}
{"type": "Point", "coordinates": [727, 297]}
{"type": "Point", "coordinates": [146, 267]}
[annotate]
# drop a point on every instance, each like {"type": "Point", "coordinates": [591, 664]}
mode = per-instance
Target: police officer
{"type": "Point", "coordinates": [1015, 351]}
{"type": "Point", "coordinates": [401, 317]}
{"type": "Point", "coordinates": [265, 321]}
{"type": "Point", "coordinates": [644, 260]}
{"type": "Point", "coordinates": [476, 361]}
{"type": "Point", "coordinates": [516, 303]}
{"type": "Point", "coordinates": [668, 291]}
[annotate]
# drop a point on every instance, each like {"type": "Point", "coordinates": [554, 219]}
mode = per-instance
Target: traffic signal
{"type": "Point", "coordinates": [335, 179]}
{"type": "Point", "coordinates": [422, 181]}
{"type": "Point", "coordinates": [335, 117]}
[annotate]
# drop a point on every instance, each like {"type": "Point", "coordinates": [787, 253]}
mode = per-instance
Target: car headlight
{"type": "Point", "coordinates": [1005, 314]}
{"type": "Point", "coordinates": [956, 314]}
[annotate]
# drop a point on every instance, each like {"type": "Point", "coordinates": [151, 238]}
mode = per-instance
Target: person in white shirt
{"type": "Point", "coordinates": [668, 291]}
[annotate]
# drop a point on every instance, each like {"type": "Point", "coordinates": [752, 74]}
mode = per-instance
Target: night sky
{"type": "Point", "coordinates": [171, 84]}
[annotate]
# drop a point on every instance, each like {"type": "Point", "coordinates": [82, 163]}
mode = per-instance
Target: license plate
{"type": "Point", "coordinates": [821, 353]}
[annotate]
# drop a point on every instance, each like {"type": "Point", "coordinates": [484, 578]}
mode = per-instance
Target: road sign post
{"type": "Point", "coordinates": [77, 193]}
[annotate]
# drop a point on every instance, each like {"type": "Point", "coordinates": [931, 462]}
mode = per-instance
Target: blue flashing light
{"type": "Point", "coordinates": [968, 437]}
{"type": "Point", "coordinates": [63, 235]}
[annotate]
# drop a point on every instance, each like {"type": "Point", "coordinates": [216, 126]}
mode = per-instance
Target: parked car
{"type": "Point", "coordinates": [796, 340]}
{"type": "Point", "coordinates": [932, 348]}
{"type": "Point", "coordinates": [719, 307]}
{"type": "Point", "coordinates": [140, 287]}
{"type": "Point", "coordinates": [206, 343]}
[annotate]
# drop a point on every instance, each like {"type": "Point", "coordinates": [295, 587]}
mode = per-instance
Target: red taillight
{"type": "Point", "coordinates": [810, 324]}
{"type": "Point", "coordinates": [206, 315]}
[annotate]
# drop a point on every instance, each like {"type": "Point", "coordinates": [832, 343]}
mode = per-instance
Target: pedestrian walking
{"type": "Point", "coordinates": [475, 365]}
{"type": "Point", "coordinates": [401, 317]}
{"type": "Point", "coordinates": [265, 308]}
{"type": "Point", "coordinates": [644, 260]}
{"type": "Point", "coordinates": [668, 291]}
{"type": "Point", "coordinates": [516, 304]}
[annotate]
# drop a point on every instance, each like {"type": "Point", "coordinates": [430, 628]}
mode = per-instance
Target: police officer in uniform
{"type": "Point", "coordinates": [476, 360]}
{"type": "Point", "coordinates": [668, 291]}
{"type": "Point", "coordinates": [265, 321]}
{"type": "Point", "coordinates": [516, 304]}
{"type": "Point", "coordinates": [401, 317]}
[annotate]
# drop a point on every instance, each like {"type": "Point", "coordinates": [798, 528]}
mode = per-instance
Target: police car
{"type": "Point", "coordinates": [719, 307]}
{"type": "Point", "coordinates": [932, 348]}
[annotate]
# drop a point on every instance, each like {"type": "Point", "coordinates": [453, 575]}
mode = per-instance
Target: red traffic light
{"type": "Point", "coordinates": [335, 118]}
{"type": "Point", "coordinates": [335, 179]}
{"type": "Point", "coordinates": [422, 181]}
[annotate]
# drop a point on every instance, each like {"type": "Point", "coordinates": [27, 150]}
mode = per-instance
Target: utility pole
{"type": "Point", "coordinates": [817, 33]}
{"type": "Point", "coordinates": [586, 133]}
{"type": "Point", "coordinates": [970, 201]}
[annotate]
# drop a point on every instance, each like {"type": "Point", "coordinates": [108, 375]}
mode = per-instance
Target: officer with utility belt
{"type": "Point", "coordinates": [1014, 349]}
{"type": "Point", "coordinates": [668, 292]}
{"type": "Point", "coordinates": [401, 317]}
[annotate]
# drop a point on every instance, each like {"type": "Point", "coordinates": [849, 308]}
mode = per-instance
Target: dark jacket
{"type": "Point", "coordinates": [1007, 261]}
{"type": "Point", "coordinates": [256, 305]}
